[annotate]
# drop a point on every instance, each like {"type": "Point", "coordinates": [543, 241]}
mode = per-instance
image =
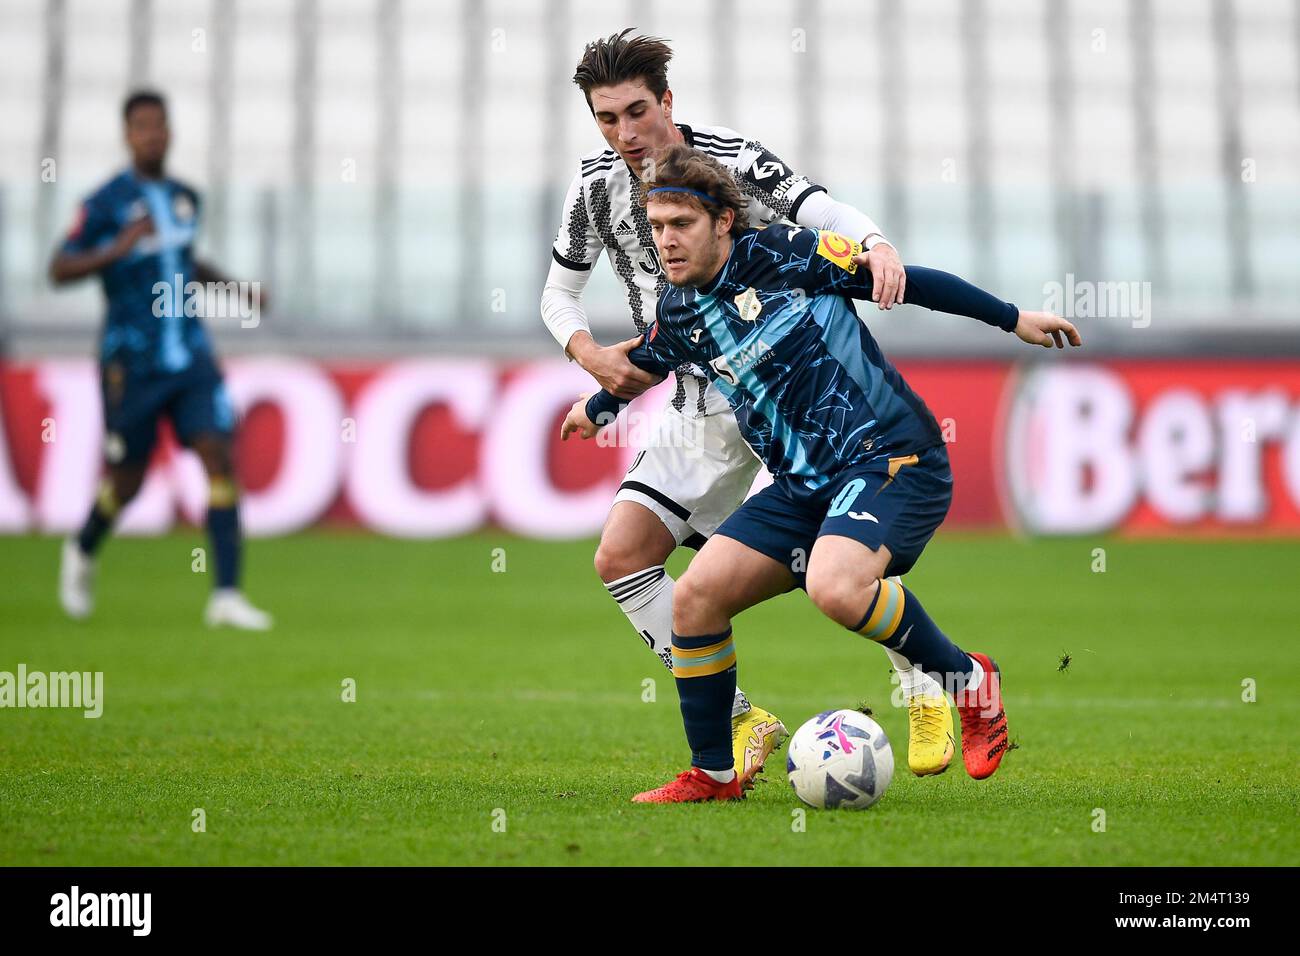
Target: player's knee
{"type": "Point", "coordinates": [696, 608]}
{"type": "Point", "coordinates": [617, 558]}
{"type": "Point", "coordinates": [841, 597]}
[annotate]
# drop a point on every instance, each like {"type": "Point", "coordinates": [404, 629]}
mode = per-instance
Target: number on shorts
{"type": "Point", "coordinates": [844, 500]}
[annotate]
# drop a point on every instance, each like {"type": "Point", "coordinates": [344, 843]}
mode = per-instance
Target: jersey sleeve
{"type": "Point", "coordinates": [821, 211]}
{"type": "Point", "coordinates": [821, 263]}
{"type": "Point", "coordinates": [659, 354]}
{"type": "Point", "coordinates": [94, 225]}
{"type": "Point", "coordinates": [577, 245]}
{"type": "Point", "coordinates": [764, 176]}
{"type": "Point", "coordinates": [817, 261]}
{"type": "Point", "coordinates": [562, 309]}
{"type": "Point", "coordinates": [945, 292]}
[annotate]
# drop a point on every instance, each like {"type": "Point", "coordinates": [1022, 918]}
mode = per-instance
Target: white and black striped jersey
{"type": "Point", "coordinates": [603, 212]}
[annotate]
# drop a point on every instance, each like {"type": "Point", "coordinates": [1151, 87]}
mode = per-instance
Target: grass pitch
{"type": "Point", "coordinates": [515, 698]}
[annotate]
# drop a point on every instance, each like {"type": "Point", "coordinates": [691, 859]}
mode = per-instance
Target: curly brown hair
{"type": "Point", "coordinates": [680, 165]}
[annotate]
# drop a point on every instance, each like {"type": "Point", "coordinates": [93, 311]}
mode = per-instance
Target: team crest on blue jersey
{"type": "Point", "coordinates": [748, 305]}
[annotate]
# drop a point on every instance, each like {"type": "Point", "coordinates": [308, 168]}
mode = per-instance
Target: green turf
{"type": "Point", "coordinates": [522, 691]}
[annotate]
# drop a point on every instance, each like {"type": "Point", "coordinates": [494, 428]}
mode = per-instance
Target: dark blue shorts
{"type": "Point", "coordinates": [193, 400]}
{"type": "Point", "coordinates": [899, 503]}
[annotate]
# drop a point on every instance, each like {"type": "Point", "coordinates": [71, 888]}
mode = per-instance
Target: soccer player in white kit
{"type": "Point", "coordinates": [698, 469]}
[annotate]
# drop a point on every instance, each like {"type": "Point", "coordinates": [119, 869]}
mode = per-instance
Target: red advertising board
{"type": "Point", "coordinates": [437, 447]}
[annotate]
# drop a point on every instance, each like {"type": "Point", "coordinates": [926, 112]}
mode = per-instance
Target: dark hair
{"type": "Point", "coordinates": [680, 165]}
{"type": "Point", "coordinates": [618, 58]}
{"type": "Point", "coordinates": [143, 98]}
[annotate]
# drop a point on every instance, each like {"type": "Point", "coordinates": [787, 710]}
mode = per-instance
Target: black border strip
{"type": "Point", "coordinates": [814, 188]}
{"type": "Point", "coordinates": [658, 496]}
{"type": "Point", "coordinates": [569, 263]}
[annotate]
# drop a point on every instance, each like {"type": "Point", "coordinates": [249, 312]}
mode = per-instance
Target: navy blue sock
{"type": "Point", "coordinates": [223, 532]}
{"type": "Point", "coordinates": [897, 620]}
{"type": "Point", "coordinates": [705, 670]}
{"type": "Point", "coordinates": [98, 523]}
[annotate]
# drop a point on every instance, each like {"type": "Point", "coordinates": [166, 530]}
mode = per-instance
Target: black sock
{"type": "Point", "coordinates": [223, 532]}
{"type": "Point", "coordinates": [897, 620]}
{"type": "Point", "coordinates": [705, 668]}
{"type": "Point", "coordinates": [92, 533]}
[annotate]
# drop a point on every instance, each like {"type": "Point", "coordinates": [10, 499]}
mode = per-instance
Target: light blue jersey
{"type": "Point", "coordinates": [134, 334]}
{"type": "Point", "coordinates": [778, 336]}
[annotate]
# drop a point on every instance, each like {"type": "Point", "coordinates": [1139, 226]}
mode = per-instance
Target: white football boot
{"type": "Point", "coordinates": [228, 607]}
{"type": "Point", "coordinates": [76, 581]}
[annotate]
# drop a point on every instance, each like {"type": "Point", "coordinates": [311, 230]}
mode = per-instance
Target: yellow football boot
{"type": "Point", "coordinates": [755, 736]}
{"type": "Point", "coordinates": [930, 742]}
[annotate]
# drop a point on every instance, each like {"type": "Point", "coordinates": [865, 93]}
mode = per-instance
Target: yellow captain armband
{"type": "Point", "coordinates": [839, 249]}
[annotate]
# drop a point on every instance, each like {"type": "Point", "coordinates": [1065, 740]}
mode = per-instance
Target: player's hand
{"type": "Point", "coordinates": [888, 278]}
{"type": "Point", "coordinates": [611, 367]}
{"type": "Point", "coordinates": [131, 234]}
{"type": "Point", "coordinates": [1044, 328]}
{"type": "Point", "coordinates": [577, 421]}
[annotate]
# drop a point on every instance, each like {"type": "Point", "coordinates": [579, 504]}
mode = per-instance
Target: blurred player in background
{"type": "Point", "coordinates": [698, 470]}
{"type": "Point", "coordinates": [860, 468]}
{"type": "Point", "coordinates": [136, 233]}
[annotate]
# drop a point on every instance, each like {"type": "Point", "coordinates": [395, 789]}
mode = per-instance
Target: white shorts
{"type": "Point", "coordinates": [692, 474]}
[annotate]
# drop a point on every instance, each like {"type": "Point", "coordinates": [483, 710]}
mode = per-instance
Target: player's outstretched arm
{"type": "Point", "coordinates": [944, 292]}
{"type": "Point", "coordinates": [819, 261]}
{"type": "Point", "coordinates": [831, 266]}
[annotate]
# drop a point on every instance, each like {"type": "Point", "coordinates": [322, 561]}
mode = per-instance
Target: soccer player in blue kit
{"type": "Point", "coordinates": [861, 475]}
{"type": "Point", "coordinates": [136, 233]}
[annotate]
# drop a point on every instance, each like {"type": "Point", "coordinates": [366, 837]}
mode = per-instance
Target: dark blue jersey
{"type": "Point", "coordinates": [777, 335]}
{"type": "Point", "coordinates": [146, 327]}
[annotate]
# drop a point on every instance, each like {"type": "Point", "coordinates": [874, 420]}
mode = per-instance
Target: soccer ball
{"type": "Point", "coordinates": [840, 758]}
